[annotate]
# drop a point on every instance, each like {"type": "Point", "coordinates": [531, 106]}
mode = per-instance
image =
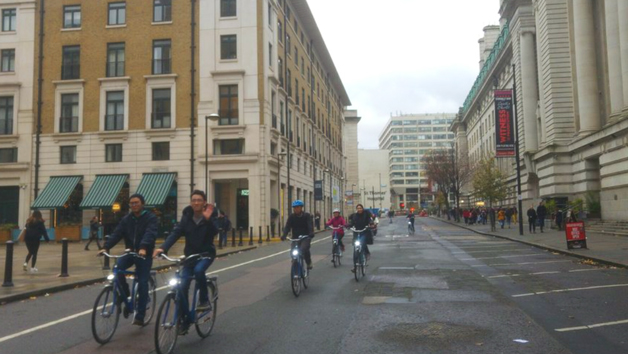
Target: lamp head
{"type": "Point", "coordinates": [213, 117]}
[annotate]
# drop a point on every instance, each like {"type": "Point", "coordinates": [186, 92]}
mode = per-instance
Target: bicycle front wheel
{"type": "Point", "coordinates": [105, 316]}
{"type": "Point", "coordinates": [305, 274]}
{"type": "Point", "coordinates": [206, 319]}
{"type": "Point", "coordinates": [166, 326]}
{"type": "Point", "coordinates": [334, 255]}
{"type": "Point", "coordinates": [363, 263]}
{"type": "Point", "coordinates": [151, 302]}
{"type": "Point", "coordinates": [356, 261]}
{"type": "Point", "coordinates": [295, 278]}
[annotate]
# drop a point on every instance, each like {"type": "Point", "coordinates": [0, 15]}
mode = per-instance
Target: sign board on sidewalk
{"type": "Point", "coordinates": [576, 236]}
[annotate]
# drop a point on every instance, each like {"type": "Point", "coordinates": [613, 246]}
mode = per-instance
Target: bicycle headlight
{"type": "Point", "coordinates": [110, 277]}
{"type": "Point", "coordinates": [357, 243]}
{"type": "Point", "coordinates": [173, 282]}
{"type": "Point", "coordinates": [295, 252]}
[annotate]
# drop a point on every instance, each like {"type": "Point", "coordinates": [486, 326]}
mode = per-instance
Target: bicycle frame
{"type": "Point", "coordinates": [296, 254]}
{"type": "Point", "coordinates": [115, 282]}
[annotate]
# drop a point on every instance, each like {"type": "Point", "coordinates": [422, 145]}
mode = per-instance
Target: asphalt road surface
{"type": "Point", "coordinates": [439, 290]}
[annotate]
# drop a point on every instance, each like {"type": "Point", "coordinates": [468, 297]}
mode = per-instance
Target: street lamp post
{"type": "Point", "coordinates": [330, 192]}
{"type": "Point", "coordinates": [279, 201]}
{"type": "Point", "coordinates": [214, 118]}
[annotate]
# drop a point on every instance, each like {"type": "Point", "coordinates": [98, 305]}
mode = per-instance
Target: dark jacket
{"type": "Point", "coordinates": [300, 225]}
{"type": "Point", "coordinates": [222, 223]}
{"type": "Point", "coordinates": [94, 226]}
{"type": "Point", "coordinates": [541, 211]}
{"type": "Point", "coordinates": [199, 238]}
{"type": "Point", "coordinates": [531, 214]}
{"type": "Point", "coordinates": [35, 231]}
{"type": "Point", "coordinates": [138, 233]}
{"type": "Point", "coordinates": [361, 221]}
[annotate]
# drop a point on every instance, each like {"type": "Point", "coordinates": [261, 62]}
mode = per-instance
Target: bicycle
{"type": "Point", "coordinates": [359, 257]}
{"type": "Point", "coordinates": [336, 252]}
{"type": "Point", "coordinates": [410, 227]}
{"type": "Point", "coordinates": [169, 318]}
{"type": "Point", "coordinates": [108, 304]}
{"type": "Point", "coordinates": [298, 269]}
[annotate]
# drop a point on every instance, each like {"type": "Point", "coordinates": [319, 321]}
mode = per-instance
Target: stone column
{"type": "Point", "coordinates": [529, 88]}
{"type": "Point", "coordinates": [622, 8]}
{"type": "Point", "coordinates": [586, 73]}
{"type": "Point", "coordinates": [614, 56]}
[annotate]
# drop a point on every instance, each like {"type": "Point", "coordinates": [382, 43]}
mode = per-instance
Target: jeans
{"type": "Point", "coordinates": [222, 241]}
{"type": "Point", "coordinates": [142, 273]}
{"type": "Point", "coordinates": [501, 223]}
{"type": "Point", "coordinates": [196, 270]}
{"type": "Point", "coordinates": [32, 245]}
{"type": "Point", "coordinates": [542, 223]}
{"type": "Point", "coordinates": [532, 226]}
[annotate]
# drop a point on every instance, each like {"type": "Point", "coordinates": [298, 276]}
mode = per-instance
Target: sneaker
{"type": "Point", "coordinates": [352, 270]}
{"type": "Point", "coordinates": [25, 267]}
{"type": "Point", "coordinates": [310, 267]}
{"type": "Point", "coordinates": [34, 270]}
{"type": "Point", "coordinates": [184, 327]}
{"type": "Point", "coordinates": [204, 305]}
{"type": "Point", "coordinates": [126, 312]}
{"type": "Point", "coordinates": [138, 322]}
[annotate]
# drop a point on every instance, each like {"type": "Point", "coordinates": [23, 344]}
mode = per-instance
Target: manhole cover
{"type": "Point", "coordinates": [431, 334]}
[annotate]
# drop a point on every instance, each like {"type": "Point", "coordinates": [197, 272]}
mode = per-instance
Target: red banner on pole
{"type": "Point", "coordinates": [504, 124]}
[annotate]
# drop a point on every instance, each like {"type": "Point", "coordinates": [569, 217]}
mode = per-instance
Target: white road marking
{"type": "Point", "coordinates": [569, 329]}
{"type": "Point", "coordinates": [572, 289]}
{"type": "Point", "coordinates": [87, 312]}
{"type": "Point", "coordinates": [517, 255]}
{"type": "Point", "coordinates": [510, 264]}
{"type": "Point", "coordinates": [396, 268]}
{"type": "Point", "coordinates": [588, 270]}
{"type": "Point", "coordinates": [491, 251]}
{"type": "Point", "coordinates": [521, 274]}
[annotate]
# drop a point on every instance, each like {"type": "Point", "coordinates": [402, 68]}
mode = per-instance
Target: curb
{"type": "Point", "coordinates": [62, 287]}
{"type": "Point", "coordinates": [539, 245]}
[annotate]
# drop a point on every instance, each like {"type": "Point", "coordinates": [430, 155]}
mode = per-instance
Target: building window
{"type": "Point", "coordinates": [228, 47]}
{"type": "Point", "coordinates": [68, 154]}
{"type": "Point", "coordinates": [8, 60]}
{"type": "Point", "coordinates": [228, 104]}
{"type": "Point", "coordinates": [227, 8]}
{"type": "Point", "coordinates": [115, 59]}
{"type": "Point", "coordinates": [162, 10]}
{"type": "Point", "coordinates": [8, 20]}
{"type": "Point", "coordinates": [117, 13]}
{"type": "Point", "coordinates": [229, 147]}
{"type": "Point", "coordinates": [114, 120]}
{"type": "Point", "coordinates": [71, 67]}
{"type": "Point", "coordinates": [68, 122]}
{"type": "Point", "coordinates": [161, 151]}
{"type": "Point", "coordinates": [270, 54]}
{"type": "Point", "coordinates": [113, 153]}
{"type": "Point", "coordinates": [280, 31]}
{"type": "Point", "coordinates": [72, 16]}
{"type": "Point", "coordinates": [8, 155]}
{"type": "Point", "coordinates": [161, 57]}
{"type": "Point", "coordinates": [161, 109]}
{"type": "Point", "coordinates": [6, 115]}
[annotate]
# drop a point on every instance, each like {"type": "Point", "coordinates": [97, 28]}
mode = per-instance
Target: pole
{"type": "Point", "coordinates": [105, 265]}
{"type": "Point", "coordinates": [206, 158]}
{"type": "Point", "coordinates": [240, 243]}
{"type": "Point", "coordinates": [380, 191]}
{"type": "Point", "coordinates": [519, 201]}
{"type": "Point", "coordinates": [64, 258]}
{"type": "Point", "coordinates": [233, 243]}
{"type": "Point", "coordinates": [331, 200]}
{"type": "Point", "coordinates": [289, 125]}
{"type": "Point", "coordinates": [8, 266]}
{"type": "Point", "coordinates": [251, 236]}
{"type": "Point", "coordinates": [260, 236]}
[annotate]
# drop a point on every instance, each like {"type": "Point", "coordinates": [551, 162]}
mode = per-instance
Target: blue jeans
{"type": "Point", "coordinates": [222, 241]}
{"type": "Point", "coordinates": [142, 273]}
{"type": "Point", "coordinates": [197, 270]}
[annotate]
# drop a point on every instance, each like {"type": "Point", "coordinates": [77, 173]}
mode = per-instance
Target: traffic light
{"type": "Point", "coordinates": [402, 205]}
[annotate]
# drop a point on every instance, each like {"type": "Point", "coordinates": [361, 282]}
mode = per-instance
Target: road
{"type": "Point", "coordinates": [439, 290]}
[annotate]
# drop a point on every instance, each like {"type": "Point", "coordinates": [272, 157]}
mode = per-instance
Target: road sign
{"type": "Point", "coordinates": [576, 236]}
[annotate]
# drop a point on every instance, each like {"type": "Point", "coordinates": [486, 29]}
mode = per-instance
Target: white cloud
{"type": "Point", "coordinates": [410, 56]}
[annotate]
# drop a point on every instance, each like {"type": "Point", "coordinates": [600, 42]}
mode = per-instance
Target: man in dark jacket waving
{"type": "Point", "coordinates": [139, 230]}
{"type": "Point", "coordinates": [300, 223]}
{"type": "Point", "coordinates": [199, 231]}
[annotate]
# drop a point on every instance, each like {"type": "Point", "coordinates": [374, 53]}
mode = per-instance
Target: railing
{"type": "Point", "coordinates": [486, 68]}
{"type": "Point", "coordinates": [115, 69]}
{"type": "Point", "coordinates": [70, 71]}
{"type": "Point", "coordinates": [161, 66]}
{"type": "Point", "coordinates": [160, 120]}
{"type": "Point", "coordinates": [114, 122]}
{"type": "Point", "coordinates": [68, 124]}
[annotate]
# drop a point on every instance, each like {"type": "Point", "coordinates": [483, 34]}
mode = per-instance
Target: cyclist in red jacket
{"type": "Point", "coordinates": [338, 221]}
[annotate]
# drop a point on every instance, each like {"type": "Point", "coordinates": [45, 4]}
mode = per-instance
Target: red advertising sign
{"type": "Point", "coordinates": [576, 235]}
{"type": "Point", "coordinates": [504, 124]}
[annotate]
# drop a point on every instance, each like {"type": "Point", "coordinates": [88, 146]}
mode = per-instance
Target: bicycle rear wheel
{"type": "Point", "coordinates": [166, 326]}
{"type": "Point", "coordinates": [305, 274]}
{"type": "Point", "coordinates": [334, 255]}
{"type": "Point", "coordinates": [105, 316]}
{"type": "Point", "coordinates": [205, 320]}
{"type": "Point", "coordinates": [363, 263]}
{"type": "Point", "coordinates": [295, 278]}
{"type": "Point", "coordinates": [151, 302]}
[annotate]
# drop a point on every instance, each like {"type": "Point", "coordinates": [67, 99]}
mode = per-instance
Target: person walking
{"type": "Point", "coordinates": [514, 215]}
{"type": "Point", "coordinates": [532, 219]}
{"type": "Point", "coordinates": [541, 213]}
{"type": "Point", "coordinates": [391, 215]}
{"type": "Point", "coordinates": [508, 215]}
{"type": "Point", "coordinates": [501, 217]}
{"type": "Point", "coordinates": [223, 224]}
{"type": "Point", "coordinates": [94, 226]}
{"type": "Point", "coordinates": [34, 231]}
{"type": "Point", "coordinates": [559, 219]}
{"type": "Point", "coordinates": [317, 220]}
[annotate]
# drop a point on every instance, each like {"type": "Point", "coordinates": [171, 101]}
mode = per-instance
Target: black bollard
{"type": "Point", "coordinates": [267, 233]}
{"type": "Point", "coordinates": [251, 236]}
{"type": "Point", "coordinates": [233, 238]}
{"type": "Point", "coordinates": [260, 236]}
{"type": "Point", "coordinates": [240, 243]}
{"type": "Point", "coordinates": [64, 258]}
{"type": "Point", "coordinates": [8, 266]}
{"type": "Point", "coordinates": [106, 266]}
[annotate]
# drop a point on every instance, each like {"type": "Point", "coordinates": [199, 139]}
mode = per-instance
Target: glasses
{"type": "Point", "coordinates": [135, 203]}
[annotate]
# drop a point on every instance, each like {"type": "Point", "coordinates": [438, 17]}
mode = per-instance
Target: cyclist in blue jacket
{"type": "Point", "coordinates": [300, 223]}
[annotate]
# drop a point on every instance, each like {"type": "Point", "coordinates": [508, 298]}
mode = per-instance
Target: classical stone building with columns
{"type": "Point", "coordinates": [568, 61]}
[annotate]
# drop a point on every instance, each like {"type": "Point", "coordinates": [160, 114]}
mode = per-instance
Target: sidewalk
{"type": "Point", "coordinates": [83, 267]}
{"type": "Point", "coordinates": [602, 248]}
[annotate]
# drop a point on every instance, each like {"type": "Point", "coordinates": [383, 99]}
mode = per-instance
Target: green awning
{"type": "Point", "coordinates": [155, 187]}
{"type": "Point", "coordinates": [56, 193]}
{"type": "Point", "coordinates": [103, 192]}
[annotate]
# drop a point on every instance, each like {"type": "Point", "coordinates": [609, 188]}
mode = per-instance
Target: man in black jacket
{"type": "Point", "coordinates": [541, 213]}
{"type": "Point", "coordinates": [199, 231]}
{"type": "Point", "coordinates": [300, 223]}
{"type": "Point", "coordinates": [139, 230]}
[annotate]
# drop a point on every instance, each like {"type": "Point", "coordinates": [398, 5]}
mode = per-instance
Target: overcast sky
{"type": "Point", "coordinates": [409, 56]}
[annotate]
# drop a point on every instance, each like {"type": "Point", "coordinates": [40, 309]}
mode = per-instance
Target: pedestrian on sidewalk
{"type": "Point", "coordinates": [541, 213]}
{"type": "Point", "coordinates": [508, 215]}
{"type": "Point", "coordinates": [34, 231]}
{"type": "Point", "coordinates": [514, 215]}
{"type": "Point", "coordinates": [94, 226]}
{"type": "Point", "coordinates": [465, 216]}
{"type": "Point", "coordinates": [532, 219]}
{"type": "Point", "coordinates": [317, 220]}
{"type": "Point", "coordinates": [501, 217]}
{"type": "Point", "coordinates": [223, 224]}
{"type": "Point", "coordinates": [559, 219]}
{"type": "Point", "coordinates": [391, 215]}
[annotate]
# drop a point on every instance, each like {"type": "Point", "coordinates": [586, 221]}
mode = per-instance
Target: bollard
{"type": "Point", "coordinates": [233, 244]}
{"type": "Point", "coordinates": [260, 236]}
{"type": "Point", "coordinates": [267, 233]}
{"type": "Point", "coordinates": [251, 236]}
{"type": "Point", "coordinates": [219, 239]}
{"type": "Point", "coordinates": [240, 243]}
{"type": "Point", "coordinates": [8, 266]}
{"type": "Point", "coordinates": [106, 266]}
{"type": "Point", "coordinates": [64, 258]}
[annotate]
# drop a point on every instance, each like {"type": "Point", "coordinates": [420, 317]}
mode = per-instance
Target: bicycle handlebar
{"type": "Point", "coordinates": [127, 253]}
{"type": "Point", "coordinates": [358, 231]}
{"type": "Point", "coordinates": [335, 228]}
{"type": "Point", "coordinates": [299, 239]}
{"type": "Point", "coordinates": [184, 259]}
